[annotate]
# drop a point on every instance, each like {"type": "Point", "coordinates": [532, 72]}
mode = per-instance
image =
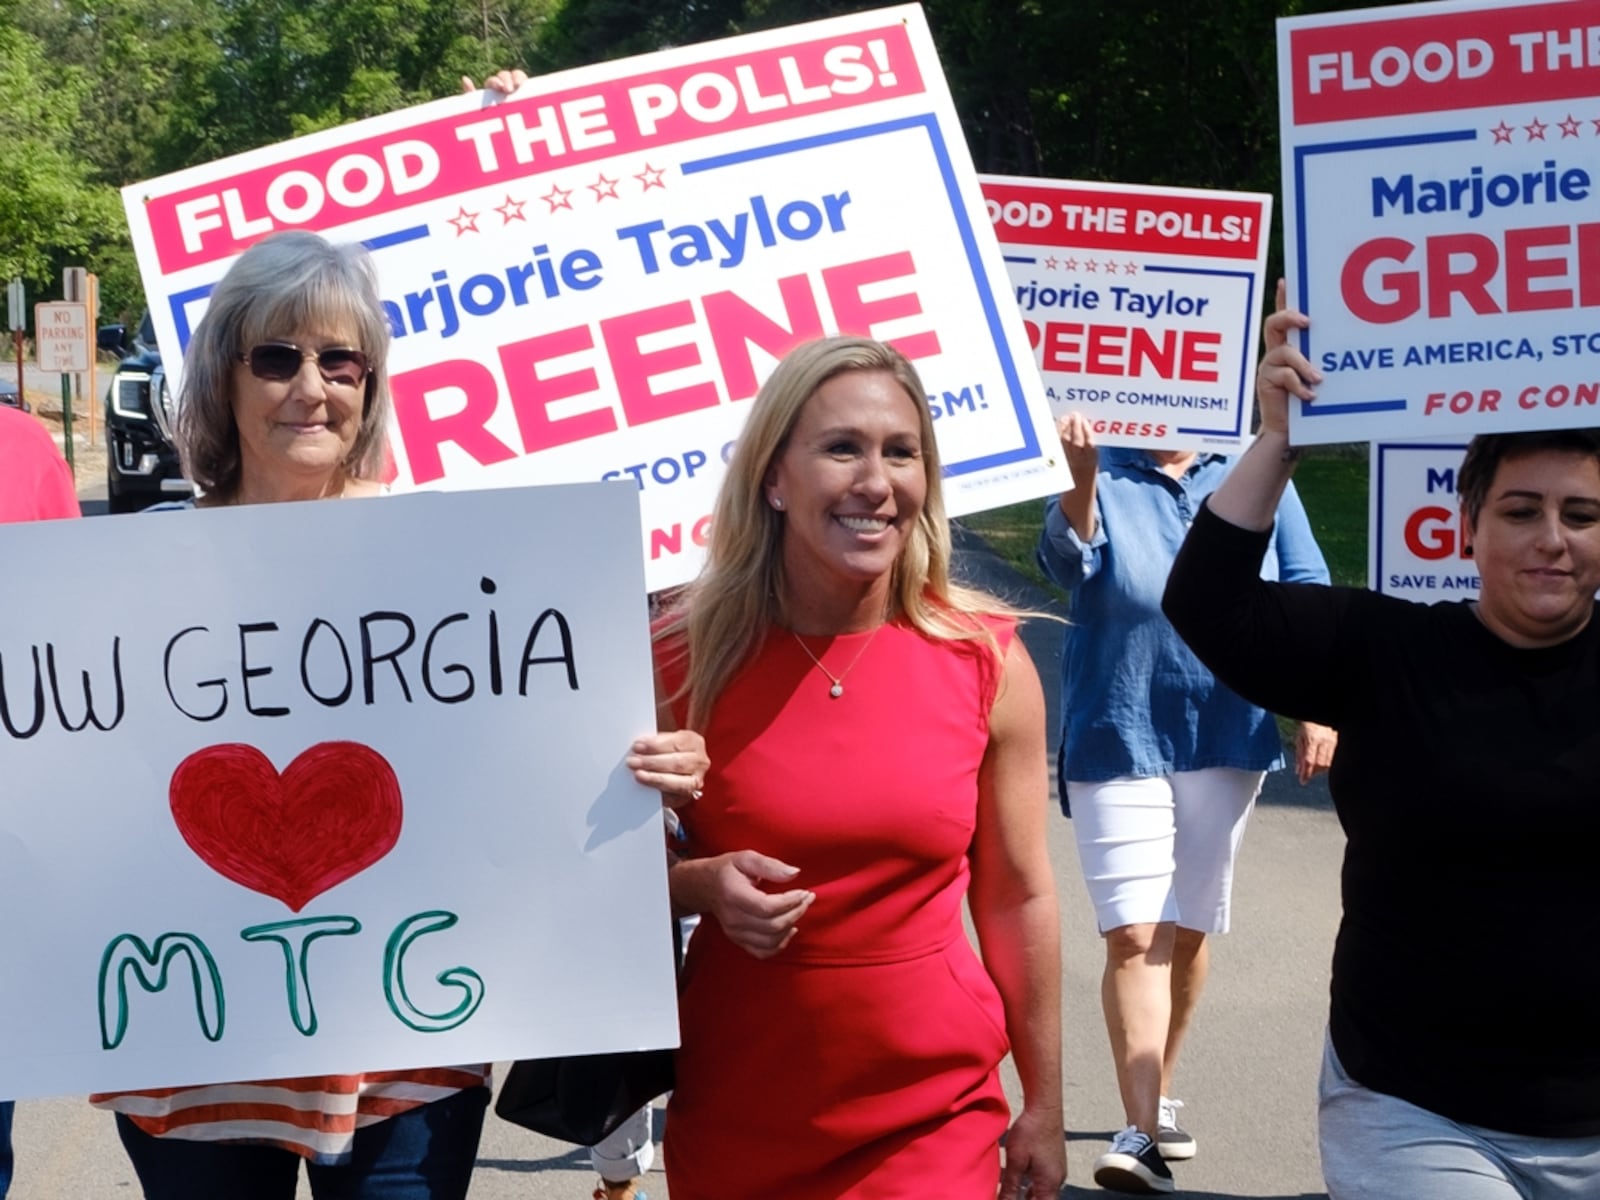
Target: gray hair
{"type": "Point", "coordinates": [293, 280]}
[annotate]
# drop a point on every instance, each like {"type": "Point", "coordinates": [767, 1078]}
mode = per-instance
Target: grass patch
{"type": "Point", "coordinates": [1013, 532]}
{"type": "Point", "coordinates": [1334, 491]}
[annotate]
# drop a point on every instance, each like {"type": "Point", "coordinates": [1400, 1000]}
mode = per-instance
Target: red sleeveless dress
{"type": "Point", "coordinates": [862, 1061]}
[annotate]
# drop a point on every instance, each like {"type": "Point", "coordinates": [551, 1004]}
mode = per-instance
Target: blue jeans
{"type": "Point", "coordinates": [424, 1154]}
{"type": "Point", "coordinates": [7, 1107]}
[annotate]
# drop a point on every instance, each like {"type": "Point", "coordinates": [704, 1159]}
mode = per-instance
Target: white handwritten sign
{"type": "Point", "coordinates": [341, 790]}
{"type": "Point", "coordinates": [592, 278]}
{"type": "Point", "coordinates": [1142, 304]}
{"type": "Point", "coordinates": [1440, 172]}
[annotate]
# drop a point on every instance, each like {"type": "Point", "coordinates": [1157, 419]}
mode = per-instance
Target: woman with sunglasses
{"type": "Point", "coordinates": [285, 397]}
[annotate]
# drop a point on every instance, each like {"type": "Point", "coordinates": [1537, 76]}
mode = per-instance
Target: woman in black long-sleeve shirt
{"type": "Point", "coordinates": [1464, 1036]}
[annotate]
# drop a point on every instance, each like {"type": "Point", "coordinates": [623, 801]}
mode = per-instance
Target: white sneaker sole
{"type": "Point", "coordinates": [1177, 1151]}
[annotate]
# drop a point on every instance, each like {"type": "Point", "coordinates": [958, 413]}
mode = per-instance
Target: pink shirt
{"type": "Point", "coordinates": [35, 483]}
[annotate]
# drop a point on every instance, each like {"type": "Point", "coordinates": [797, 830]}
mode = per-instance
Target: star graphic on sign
{"type": "Point", "coordinates": [1502, 132]}
{"type": "Point", "coordinates": [1130, 268]}
{"type": "Point", "coordinates": [1089, 266]}
{"type": "Point", "coordinates": [511, 211]}
{"type": "Point", "coordinates": [603, 187]}
{"type": "Point", "coordinates": [1070, 265]}
{"type": "Point", "coordinates": [1050, 264]}
{"type": "Point", "coordinates": [1596, 121]}
{"type": "Point", "coordinates": [651, 177]}
{"type": "Point", "coordinates": [1570, 127]}
{"type": "Point", "coordinates": [464, 222]}
{"type": "Point", "coordinates": [1111, 267]}
{"type": "Point", "coordinates": [1536, 130]}
{"type": "Point", "coordinates": [556, 198]}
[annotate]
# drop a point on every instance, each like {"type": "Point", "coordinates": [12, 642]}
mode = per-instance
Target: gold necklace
{"type": "Point", "coordinates": [837, 681]}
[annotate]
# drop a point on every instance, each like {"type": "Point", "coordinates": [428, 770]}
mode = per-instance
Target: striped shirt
{"type": "Point", "coordinates": [316, 1117]}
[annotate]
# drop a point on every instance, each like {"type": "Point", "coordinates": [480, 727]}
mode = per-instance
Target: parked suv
{"type": "Point", "coordinates": [141, 460]}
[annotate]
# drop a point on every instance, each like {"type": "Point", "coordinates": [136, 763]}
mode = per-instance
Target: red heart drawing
{"type": "Point", "coordinates": [333, 813]}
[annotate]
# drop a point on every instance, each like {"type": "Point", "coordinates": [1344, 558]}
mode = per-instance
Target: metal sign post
{"type": "Point", "coordinates": [94, 358]}
{"type": "Point", "coordinates": [17, 317]}
{"type": "Point", "coordinates": [80, 287]}
{"type": "Point", "coordinates": [66, 423]}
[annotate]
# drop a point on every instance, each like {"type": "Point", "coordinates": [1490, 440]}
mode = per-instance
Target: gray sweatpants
{"type": "Point", "coordinates": [1379, 1147]}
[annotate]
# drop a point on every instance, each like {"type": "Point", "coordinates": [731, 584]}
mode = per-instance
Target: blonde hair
{"type": "Point", "coordinates": [721, 619]}
{"type": "Point", "coordinates": [289, 281]}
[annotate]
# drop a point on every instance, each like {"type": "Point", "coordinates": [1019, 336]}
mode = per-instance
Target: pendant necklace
{"type": "Point", "coordinates": [837, 681]}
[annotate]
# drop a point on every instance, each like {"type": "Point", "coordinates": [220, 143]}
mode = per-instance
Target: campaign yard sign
{"type": "Point", "coordinates": [1414, 545]}
{"type": "Point", "coordinates": [1142, 304]}
{"type": "Point", "coordinates": [590, 279]}
{"type": "Point", "coordinates": [351, 798]}
{"type": "Point", "coordinates": [1441, 216]}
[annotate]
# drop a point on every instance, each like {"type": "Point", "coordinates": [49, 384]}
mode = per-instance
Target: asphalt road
{"type": "Point", "coordinates": [1248, 1074]}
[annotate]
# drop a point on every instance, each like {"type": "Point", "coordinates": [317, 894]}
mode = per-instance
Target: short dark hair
{"type": "Point", "coordinates": [1487, 451]}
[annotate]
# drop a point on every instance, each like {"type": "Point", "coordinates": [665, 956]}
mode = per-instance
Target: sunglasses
{"type": "Point", "coordinates": [279, 362]}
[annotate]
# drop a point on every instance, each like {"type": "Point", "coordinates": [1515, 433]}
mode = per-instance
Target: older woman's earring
{"type": "Point", "coordinates": [776, 502]}
{"type": "Point", "coordinates": [1466, 549]}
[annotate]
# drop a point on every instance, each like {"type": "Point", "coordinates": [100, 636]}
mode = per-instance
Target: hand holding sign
{"type": "Point", "coordinates": [504, 82]}
{"type": "Point", "coordinates": [1077, 444]}
{"type": "Point", "coordinates": [1076, 431]}
{"type": "Point", "coordinates": [1284, 371]}
{"type": "Point", "coordinates": [674, 763]}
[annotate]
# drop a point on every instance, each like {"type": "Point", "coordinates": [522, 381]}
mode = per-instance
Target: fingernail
{"type": "Point", "coordinates": [791, 870]}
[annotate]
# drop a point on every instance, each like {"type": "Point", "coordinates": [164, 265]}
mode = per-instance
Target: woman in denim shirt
{"type": "Point", "coordinates": [1160, 763]}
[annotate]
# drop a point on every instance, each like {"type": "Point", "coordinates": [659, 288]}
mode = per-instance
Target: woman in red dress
{"type": "Point", "coordinates": [878, 748]}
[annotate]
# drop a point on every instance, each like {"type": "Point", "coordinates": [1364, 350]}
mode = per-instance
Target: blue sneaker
{"type": "Point", "coordinates": [1133, 1164]}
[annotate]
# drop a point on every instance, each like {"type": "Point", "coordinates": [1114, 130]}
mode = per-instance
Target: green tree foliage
{"type": "Point", "coordinates": [588, 31]}
{"type": "Point", "coordinates": [52, 210]}
{"type": "Point", "coordinates": [139, 88]}
{"type": "Point", "coordinates": [117, 69]}
{"type": "Point", "coordinates": [1137, 91]}
{"type": "Point", "coordinates": [143, 63]}
{"type": "Point", "coordinates": [283, 68]}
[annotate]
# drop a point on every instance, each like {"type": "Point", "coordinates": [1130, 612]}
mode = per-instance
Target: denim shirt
{"type": "Point", "coordinates": [1134, 700]}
